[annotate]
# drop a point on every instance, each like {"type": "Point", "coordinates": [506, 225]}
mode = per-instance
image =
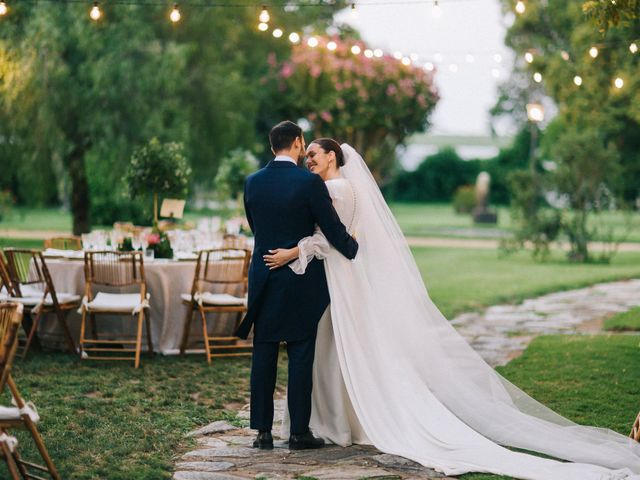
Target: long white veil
{"type": "Point", "coordinates": [428, 350]}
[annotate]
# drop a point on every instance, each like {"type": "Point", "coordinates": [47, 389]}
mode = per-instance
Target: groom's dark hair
{"type": "Point", "coordinates": [283, 135]}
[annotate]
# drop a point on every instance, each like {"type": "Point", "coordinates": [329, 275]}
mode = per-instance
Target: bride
{"type": "Point", "coordinates": [391, 371]}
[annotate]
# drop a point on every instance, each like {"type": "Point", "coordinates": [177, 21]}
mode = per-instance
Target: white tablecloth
{"type": "Point", "coordinates": [166, 281]}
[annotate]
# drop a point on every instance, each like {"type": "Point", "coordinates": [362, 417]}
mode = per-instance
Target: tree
{"type": "Point", "coordinates": [90, 91]}
{"type": "Point", "coordinates": [371, 103]}
{"type": "Point", "coordinates": [607, 13]}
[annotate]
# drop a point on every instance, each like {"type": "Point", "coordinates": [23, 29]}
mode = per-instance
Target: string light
{"type": "Point", "coordinates": [368, 53]}
{"type": "Point", "coordinates": [537, 77]}
{"type": "Point", "coordinates": [277, 33]}
{"type": "Point", "coordinates": [264, 16]}
{"type": "Point", "coordinates": [294, 37]}
{"type": "Point", "coordinates": [414, 57]}
{"type": "Point", "coordinates": [577, 80]}
{"type": "Point", "coordinates": [618, 82]}
{"type": "Point", "coordinates": [593, 51]}
{"type": "Point", "coordinates": [520, 7]}
{"type": "Point", "coordinates": [406, 61]}
{"type": "Point", "coordinates": [356, 50]}
{"type": "Point", "coordinates": [263, 27]}
{"type": "Point", "coordinates": [3, 8]}
{"type": "Point", "coordinates": [175, 14]}
{"type": "Point", "coordinates": [633, 48]}
{"type": "Point", "coordinates": [332, 45]}
{"type": "Point", "coordinates": [469, 58]}
{"type": "Point", "coordinates": [429, 67]}
{"type": "Point", "coordinates": [497, 58]}
{"type": "Point", "coordinates": [312, 42]}
{"type": "Point", "coordinates": [528, 57]}
{"type": "Point", "coordinates": [378, 53]}
{"type": "Point", "coordinates": [397, 55]}
{"type": "Point", "coordinates": [95, 12]}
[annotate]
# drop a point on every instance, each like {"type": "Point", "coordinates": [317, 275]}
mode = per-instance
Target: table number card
{"type": "Point", "coordinates": [172, 208]}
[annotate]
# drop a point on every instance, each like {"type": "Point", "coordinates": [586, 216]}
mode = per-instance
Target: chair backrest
{"type": "Point", "coordinates": [10, 318]}
{"type": "Point", "coordinates": [64, 243]}
{"type": "Point", "coordinates": [115, 269]}
{"type": "Point", "coordinates": [5, 280]}
{"type": "Point", "coordinates": [225, 267]}
{"type": "Point", "coordinates": [28, 267]}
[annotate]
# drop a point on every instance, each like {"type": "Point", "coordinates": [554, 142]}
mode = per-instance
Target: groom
{"type": "Point", "coordinates": [283, 204]}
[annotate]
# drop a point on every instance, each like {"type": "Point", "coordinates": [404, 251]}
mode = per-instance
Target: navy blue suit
{"type": "Point", "coordinates": [283, 204]}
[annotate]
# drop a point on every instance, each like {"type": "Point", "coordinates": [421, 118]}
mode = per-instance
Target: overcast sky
{"type": "Point", "coordinates": [463, 41]}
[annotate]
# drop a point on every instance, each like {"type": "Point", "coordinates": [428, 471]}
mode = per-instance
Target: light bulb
{"type": "Point", "coordinates": [356, 50]}
{"type": "Point", "coordinates": [294, 37]}
{"type": "Point", "coordinates": [312, 42]}
{"type": "Point", "coordinates": [537, 77]}
{"type": "Point", "coordinates": [263, 27]}
{"type": "Point", "coordinates": [378, 53]}
{"type": "Point", "coordinates": [368, 53]}
{"type": "Point", "coordinates": [593, 51]}
{"type": "Point", "coordinates": [429, 66]}
{"type": "Point", "coordinates": [175, 15]}
{"type": "Point", "coordinates": [437, 11]}
{"type": "Point", "coordinates": [406, 61]}
{"type": "Point", "coordinates": [3, 8]}
{"type": "Point", "coordinates": [277, 33]}
{"type": "Point", "coordinates": [633, 48]}
{"type": "Point", "coordinates": [528, 57]}
{"type": "Point", "coordinates": [95, 12]}
{"type": "Point", "coordinates": [469, 58]}
{"type": "Point", "coordinates": [264, 16]}
{"type": "Point", "coordinates": [495, 73]}
{"type": "Point", "coordinates": [577, 80]}
{"type": "Point", "coordinates": [397, 55]}
{"type": "Point", "coordinates": [497, 58]}
{"type": "Point", "coordinates": [618, 82]}
{"type": "Point", "coordinates": [332, 45]}
{"type": "Point", "coordinates": [520, 7]}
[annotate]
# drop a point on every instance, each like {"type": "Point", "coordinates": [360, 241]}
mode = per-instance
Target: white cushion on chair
{"type": "Point", "coordinates": [14, 413]}
{"type": "Point", "coordinates": [222, 299]}
{"type": "Point", "coordinates": [31, 301]}
{"type": "Point", "coordinates": [116, 302]}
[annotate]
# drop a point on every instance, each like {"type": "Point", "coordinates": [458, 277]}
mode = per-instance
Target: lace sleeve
{"type": "Point", "coordinates": [315, 245]}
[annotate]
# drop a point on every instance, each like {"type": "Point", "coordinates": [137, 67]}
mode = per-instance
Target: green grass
{"type": "Point", "coordinates": [460, 280]}
{"type": "Point", "coordinates": [20, 243]}
{"type": "Point", "coordinates": [23, 218]}
{"type": "Point", "coordinates": [591, 380]}
{"type": "Point", "coordinates": [627, 321]}
{"type": "Point", "coordinates": [106, 420]}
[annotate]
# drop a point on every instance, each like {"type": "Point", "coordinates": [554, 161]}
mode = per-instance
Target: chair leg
{"type": "Point", "coordinates": [147, 319]}
{"type": "Point", "coordinates": [10, 459]}
{"type": "Point", "coordinates": [139, 338]}
{"type": "Point", "coordinates": [67, 333]}
{"type": "Point", "coordinates": [94, 328]}
{"type": "Point", "coordinates": [185, 331]}
{"type": "Point", "coordinates": [32, 333]}
{"type": "Point", "coordinates": [207, 347]}
{"type": "Point", "coordinates": [31, 427]}
{"type": "Point", "coordinates": [83, 322]}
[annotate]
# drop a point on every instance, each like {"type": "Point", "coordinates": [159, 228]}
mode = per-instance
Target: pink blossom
{"type": "Point", "coordinates": [392, 90]}
{"type": "Point", "coordinates": [153, 238]}
{"type": "Point", "coordinates": [315, 71]}
{"type": "Point", "coordinates": [287, 70]}
{"type": "Point", "coordinates": [326, 116]}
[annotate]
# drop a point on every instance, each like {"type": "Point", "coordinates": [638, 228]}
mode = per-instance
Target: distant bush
{"type": "Point", "coordinates": [464, 199]}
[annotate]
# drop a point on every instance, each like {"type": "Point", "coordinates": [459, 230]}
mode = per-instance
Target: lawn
{"type": "Point", "coordinates": [624, 322]}
{"type": "Point", "coordinates": [460, 280]}
{"type": "Point", "coordinates": [591, 380]}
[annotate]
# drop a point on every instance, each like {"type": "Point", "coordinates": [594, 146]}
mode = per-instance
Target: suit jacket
{"type": "Point", "coordinates": [283, 203]}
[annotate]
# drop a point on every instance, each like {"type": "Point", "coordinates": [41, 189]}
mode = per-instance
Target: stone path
{"type": "Point", "coordinates": [499, 334]}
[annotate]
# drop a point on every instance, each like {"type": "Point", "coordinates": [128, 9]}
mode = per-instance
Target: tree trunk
{"type": "Point", "coordinates": [80, 206]}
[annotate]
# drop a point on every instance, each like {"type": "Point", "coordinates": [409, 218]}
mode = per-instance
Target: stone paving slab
{"type": "Point", "coordinates": [499, 334]}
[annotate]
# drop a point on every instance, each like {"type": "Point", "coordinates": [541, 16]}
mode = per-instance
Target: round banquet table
{"type": "Point", "coordinates": [166, 281]}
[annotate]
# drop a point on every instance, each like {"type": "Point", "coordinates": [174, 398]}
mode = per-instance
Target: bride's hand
{"type": "Point", "coordinates": [280, 257]}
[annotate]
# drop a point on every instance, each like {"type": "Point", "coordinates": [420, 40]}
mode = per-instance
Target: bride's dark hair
{"type": "Point", "coordinates": [330, 145]}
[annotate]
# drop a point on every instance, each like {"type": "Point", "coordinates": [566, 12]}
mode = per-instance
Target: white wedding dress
{"type": "Point", "coordinates": [391, 371]}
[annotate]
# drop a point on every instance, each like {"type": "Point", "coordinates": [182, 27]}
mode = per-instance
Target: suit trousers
{"type": "Point", "coordinates": [264, 370]}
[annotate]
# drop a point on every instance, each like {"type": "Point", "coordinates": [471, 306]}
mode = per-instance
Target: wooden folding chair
{"type": "Point", "coordinates": [22, 415]}
{"type": "Point", "coordinates": [33, 287]}
{"type": "Point", "coordinates": [6, 289]}
{"type": "Point", "coordinates": [635, 429]}
{"type": "Point", "coordinates": [64, 243]}
{"type": "Point", "coordinates": [217, 272]}
{"type": "Point", "coordinates": [114, 270]}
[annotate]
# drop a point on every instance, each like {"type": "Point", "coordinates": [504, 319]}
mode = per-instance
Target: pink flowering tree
{"type": "Point", "coordinates": [371, 103]}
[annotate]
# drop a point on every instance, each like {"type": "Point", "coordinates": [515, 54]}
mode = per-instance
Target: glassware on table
{"type": "Point", "coordinates": [149, 254]}
{"type": "Point", "coordinates": [87, 241]}
{"type": "Point", "coordinates": [136, 241]}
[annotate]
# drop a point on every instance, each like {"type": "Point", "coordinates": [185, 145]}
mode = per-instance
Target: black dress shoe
{"type": "Point", "coordinates": [264, 441]}
{"type": "Point", "coordinates": [305, 441]}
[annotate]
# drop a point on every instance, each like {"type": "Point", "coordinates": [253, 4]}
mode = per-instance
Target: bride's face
{"type": "Point", "coordinates": [320, 162]}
